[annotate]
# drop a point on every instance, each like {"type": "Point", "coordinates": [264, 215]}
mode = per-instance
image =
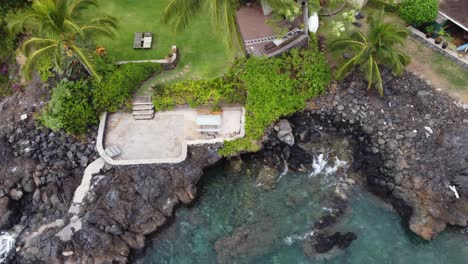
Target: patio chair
{"type": "Point", "coordinates": [147, 40]}
{"type": "Point", "coordinates": [138, 40]}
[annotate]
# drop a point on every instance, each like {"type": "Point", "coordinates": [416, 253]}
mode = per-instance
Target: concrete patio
{"type": "Point", "coordinates": [164, 138]}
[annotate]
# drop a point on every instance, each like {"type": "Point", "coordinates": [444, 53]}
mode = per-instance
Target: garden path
{"type": "Point", "coordinates": [162, 78]}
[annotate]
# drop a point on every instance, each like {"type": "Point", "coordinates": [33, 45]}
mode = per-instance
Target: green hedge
{"type": "Point", "coordinates": [70, 108]}
{"type": "Point", "coordinates": [269, 88]}
{"type": "Point", "coordinates": [117, 86]}
{"type": "Point", "coordinates": [75, 106]}
{"type": "Point", "coordinates": [418, 12]}
{"type": "Point", "coordinates": [198, 92]}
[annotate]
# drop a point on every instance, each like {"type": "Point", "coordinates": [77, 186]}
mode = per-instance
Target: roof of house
{"type": "Point", "coordinates": [455, 10]}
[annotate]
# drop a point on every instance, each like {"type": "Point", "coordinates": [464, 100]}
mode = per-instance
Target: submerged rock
{"type": "Point", "coordinates": [267, 177]}
{"type": "Point", "coordinates": [324, 243]}
{"type": "Point", "coordinates": [246, 241]}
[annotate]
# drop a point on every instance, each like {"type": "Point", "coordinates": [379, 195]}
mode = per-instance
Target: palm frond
{"type": "Point", "coordinates": [181, 12]}
{"type": "Point", "coordinates": [86, 61]}
{"type": "Point", "coordinates": [377, 78]}
{"type": "Point", "coordinates": [109, 21]}
{"type": "Point", "coordinates": [341, 44]}
{"type": "Point", "coordinates": [28, 68]}
{"type": "Point", "coordinates": [75, 6]}
{"type": "Point", "coordinates": [90, 30]}
{"type": "Point", "coordinates": [74, 28]}
{"type": "Point", "coordinates": [345, 68]}
{"type": "Point", "coordinates": [35, 43]}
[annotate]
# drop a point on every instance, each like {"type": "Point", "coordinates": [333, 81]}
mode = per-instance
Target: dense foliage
{"type": "Point", "coordinates": [374, 50]}
{"type": "Point", "coordinates": [117, 87]}
{"type": "Point", "coordinates": [419, 12]}
{"type": "Point", "coordinates": [269, 88]}
{"type": "Point", "coordinates": [75, 106]}
{"type": "Point", "coordinates": [7, 46]}
{"type": "Point", "coordinates": [199, 92]}
{"type": "Point", "coordinates": [60, 31]}
{"type": "Point", "coordinates": [281, 86]}
{"type": "Point", "coordinates": [70, 108]}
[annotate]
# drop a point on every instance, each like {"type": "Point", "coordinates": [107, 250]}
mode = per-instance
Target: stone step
{"type": "Point", "coordinates": [142, 103]}
{"type": "Point", "coordinates": [143, 117]}
{"type": "Point", "coordinates": [143, 112]}
{"type": "Point", "coordinates": [143, 107]}
{"type": "Point", "coordinates": [113, 151]}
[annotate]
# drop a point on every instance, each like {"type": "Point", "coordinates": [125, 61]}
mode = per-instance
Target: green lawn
{"type": "Point", "coordinates": [198, 45]}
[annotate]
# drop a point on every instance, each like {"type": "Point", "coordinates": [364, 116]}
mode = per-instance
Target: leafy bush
{"type": "Point", "coordinates": [419, 12]}
{"type": "Point", "coordinates": [242, 144]}
{"type": "Point", "coordinates": [70, 108]}
{"type": "Point", "coordinates": [281, 86]}
{"type": "Point", "coordinates": [198, 92]}
{"type": "Point", "coordinates": [269, 88]}
{"type": "Point", "coordinates": [117, 86]}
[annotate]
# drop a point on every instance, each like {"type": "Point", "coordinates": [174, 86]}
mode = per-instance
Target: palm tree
{"type": "Point", "coordinates": [375, 50]}
{"type": "Point", "coordinates": [223, 14]}
{"type": "Point", "coordinates": [59, 31]}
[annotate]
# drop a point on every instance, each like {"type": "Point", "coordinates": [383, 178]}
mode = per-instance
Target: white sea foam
{"type": "Point", "coordinates": [7, 242]}
{"type": "Point", "coordinates": [285, 171]}
{"type": "Point", "coordinates": [289, 240]}
{"type": "Point", "coordinates": [322, 166]}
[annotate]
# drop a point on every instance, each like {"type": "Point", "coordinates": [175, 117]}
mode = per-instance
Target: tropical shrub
{"type": "Point", "coordinates": [117, 86]}
{"type": "Point", "coordinates": [418, 12]}
{"type": "Point", "coordinates": [199, 92]}
{"type": "Point", "coordinates": [60, 29]}
{"type": "Point", "coordinates": [277, 87]}
{"type": "Point", "coordinates": [376, 49]}
{"type": "Point", "coordinates": [281, 86]}
{"type": "Point", "coordinates": [233, 147]}
{"type": "Point", "coordinates": [269, 88]}
{"type": "Point", "coordinates": [70, 108]}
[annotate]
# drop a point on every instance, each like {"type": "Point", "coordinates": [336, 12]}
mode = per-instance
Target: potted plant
{"type": "Point", "coordinates": [440, 34]}
{"type": "Point", "coordinates": [447, 40]}
{"type": "Point", "coordinates": [429, 31]}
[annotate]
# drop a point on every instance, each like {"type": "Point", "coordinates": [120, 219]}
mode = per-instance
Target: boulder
{"type": "Point", "coordinates": [267, 177]}
{"type": "Point", "coordinates": [284, 132]}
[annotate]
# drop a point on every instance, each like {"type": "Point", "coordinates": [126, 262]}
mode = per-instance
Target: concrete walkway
{"type": "Point", "coordinates": [80, 193]}
{"type": "Point", "coordinates": [83, 189]}
{"type": "Point", "coordinates": [163, 139]}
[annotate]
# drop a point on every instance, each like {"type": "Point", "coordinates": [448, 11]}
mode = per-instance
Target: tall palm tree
{"type": "Point", "coordinates": [222, 13]}
{"type": "Point", "coordinates": [59, 29]}
{"type": "Point", "coordinates": [375, 50]}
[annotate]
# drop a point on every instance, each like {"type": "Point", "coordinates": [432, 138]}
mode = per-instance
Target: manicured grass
{"type": "Point", "coordinates": [199, 45]}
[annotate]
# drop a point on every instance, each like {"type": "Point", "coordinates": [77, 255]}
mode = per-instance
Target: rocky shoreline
{"type": "Point", "coordinates": [411, 145]}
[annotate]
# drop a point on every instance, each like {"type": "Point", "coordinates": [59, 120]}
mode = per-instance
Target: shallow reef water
{"type": "Point", "coordinates": [278, 222]}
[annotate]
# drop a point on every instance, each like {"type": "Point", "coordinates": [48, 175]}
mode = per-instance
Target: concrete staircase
{"type": "Point", "coordinates": [143, 108]}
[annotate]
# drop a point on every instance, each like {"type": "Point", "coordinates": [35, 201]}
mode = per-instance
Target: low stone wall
{"type": "Point", "coordinates": [301, 42]}
{"type": "Point", "coordinates": [430, 44]}
{"type": "Point", "coordinates": [165, 63]}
